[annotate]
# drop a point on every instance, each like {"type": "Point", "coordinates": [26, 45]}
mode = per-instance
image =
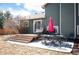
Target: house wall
{"type": "Point", "coordinates": [30, 28]}
{"type": "Point", "coordinates": [52, 9]}
{"type": "Point", "coordinates": [67, 17]}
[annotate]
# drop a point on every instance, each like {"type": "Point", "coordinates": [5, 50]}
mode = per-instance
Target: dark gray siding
{"type": "Point", "coordinates": [78, 15]}
{"type": "Point", "coordinates": [30, 28]}
{"type": "Point", "coordinates": [67, 19]}
{"type": "Point", "coordinates": [52, 9]}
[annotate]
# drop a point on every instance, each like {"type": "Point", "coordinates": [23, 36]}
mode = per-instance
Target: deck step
{"type": "Point", "coordinates": [22, 38]}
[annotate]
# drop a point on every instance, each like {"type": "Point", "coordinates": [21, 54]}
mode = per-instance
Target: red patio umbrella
{"type": "Point", "coordinates": [50, 25]}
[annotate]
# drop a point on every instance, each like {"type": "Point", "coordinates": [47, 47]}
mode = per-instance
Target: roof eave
{"type": "Point", "coordinates": [43, 6]}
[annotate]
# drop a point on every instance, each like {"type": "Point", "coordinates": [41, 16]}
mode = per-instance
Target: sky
{"type": "Point", "coordinates": [23, 9]}
{"type": "Point", "coordinates": [27, 7]}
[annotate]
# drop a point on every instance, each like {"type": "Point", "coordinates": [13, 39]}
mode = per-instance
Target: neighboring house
{"type": "Point", "coordinates": [65, 17]}
{"type": "Point", "coordinates": [36, 23]}
{"type": "Point", "coordinates": [31, 24]}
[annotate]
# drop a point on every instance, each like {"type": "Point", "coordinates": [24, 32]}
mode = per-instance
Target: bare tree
{"type": "Point", "coordinates": [8, 15]}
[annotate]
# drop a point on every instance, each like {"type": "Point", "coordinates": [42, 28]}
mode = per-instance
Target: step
{"type": "Point", "coordinates": [22, 38]}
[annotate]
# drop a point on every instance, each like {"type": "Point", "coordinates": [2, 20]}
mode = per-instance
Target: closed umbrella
{"type": "Point", "coordinates": [50, 25]}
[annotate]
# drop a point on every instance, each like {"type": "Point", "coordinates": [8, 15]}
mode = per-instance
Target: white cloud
{"type": "Point", "coordinates": [24, 13]}
{"type": "Point", "coordinates": [13, 12]}
{"type": "Point", "coordinates": [34, 4]}
{"type": "Point", "coordinates": [32, 7]}
{"type": "Point", "coordinates": [28, 4]}
{"type": "Point", "coordinates": [21, 12]}
{"type": "Point", "coordinates": [18, 4]}
{"type": "Point", "coordinates": [9, 9]}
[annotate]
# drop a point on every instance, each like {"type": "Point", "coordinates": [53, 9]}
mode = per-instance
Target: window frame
{"type": "Point", "coordinates": [37, 30]}
{"type": "Point", "coordinates": [57, 28]}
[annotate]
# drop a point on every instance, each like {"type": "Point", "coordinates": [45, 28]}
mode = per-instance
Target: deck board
{"type": "Point", "coordinates": [22, 38]}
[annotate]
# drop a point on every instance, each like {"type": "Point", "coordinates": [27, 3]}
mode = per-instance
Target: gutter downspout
{"type": "Point", "coordinates": [60, 18]}
{"type": "Point", "coordinates": [75, 20]}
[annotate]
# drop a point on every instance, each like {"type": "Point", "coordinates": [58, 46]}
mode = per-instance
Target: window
{"type": "Point", "coordinates": [37, 26]}
{"type": "Point", "coordinates": [56, 29]}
